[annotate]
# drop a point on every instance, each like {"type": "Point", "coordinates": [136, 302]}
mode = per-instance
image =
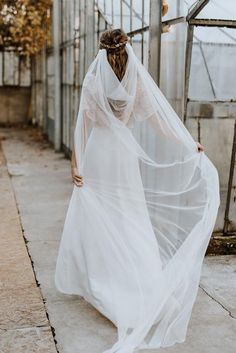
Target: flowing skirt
{"type": "Point", "coordinates": [109, 252]}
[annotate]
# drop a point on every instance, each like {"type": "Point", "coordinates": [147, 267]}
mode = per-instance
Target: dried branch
{"type": "Point", "coordinates": [25, 25]}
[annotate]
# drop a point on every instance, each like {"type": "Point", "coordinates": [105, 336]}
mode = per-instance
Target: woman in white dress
{"type": "Point", "coordinates": [143, 207]}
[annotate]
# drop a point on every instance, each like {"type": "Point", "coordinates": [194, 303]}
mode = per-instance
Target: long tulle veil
{"type": "Point", "coordinates": [152, 280]}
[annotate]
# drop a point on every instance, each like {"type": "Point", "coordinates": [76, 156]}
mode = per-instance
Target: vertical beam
{"type": "Point", "coordinates": [44, 89]}
{"type": "Point", "coordinates": [178, 103]}
{"type": "Point", "coordinates": [155, 29]}
{"type": "Point", "coordinates": [188, 58]}
{"type": "Point", "coordinates": [112, 12]}
{"type": "Point", "coordinates": [57, 74]}
{"type": "Point", "coordinates": [33, 88]}
{"type": "Point", "coordinates": [121, 13]}
{"type": "Point", "coordinates": [230, 183]}
{"type": "Point", "coordinates": [131, 16]}
{"type": "Point", "coordinates": [82, 42]}
{"type": "Point", "coordinates": [142, 33]}
{"type": "Point", "coordinates": [89, 32]}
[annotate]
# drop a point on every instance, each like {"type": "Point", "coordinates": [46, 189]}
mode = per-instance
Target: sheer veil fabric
{"type": "Point", "coordinates": [136, 233]}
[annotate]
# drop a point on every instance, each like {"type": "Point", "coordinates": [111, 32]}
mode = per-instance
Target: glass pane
{"type": "Point", "coordinates": [173, 65]}
{"type": "Point", "coordinates": [218, 9]}
{"type": "Point", "coordinates": [176, 8]}
{"type": "Point", "coordinates": [213, 71]}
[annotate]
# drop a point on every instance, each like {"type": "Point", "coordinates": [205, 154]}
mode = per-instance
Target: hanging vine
{"type": "Point", "coordinates": [25, 25]}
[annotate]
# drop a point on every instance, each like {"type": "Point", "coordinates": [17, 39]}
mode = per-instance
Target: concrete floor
{"type": "Point", "coordinates": [40, 181]}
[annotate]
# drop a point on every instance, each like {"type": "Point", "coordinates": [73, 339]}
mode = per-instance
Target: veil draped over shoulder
{"type": "Point", "coordinates": [136, 233]}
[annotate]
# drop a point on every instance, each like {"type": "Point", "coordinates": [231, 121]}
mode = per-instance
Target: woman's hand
{"type": "Point", "coordinates": [200, 148]}
{"type": "Point", "coordinates": [76, 177]}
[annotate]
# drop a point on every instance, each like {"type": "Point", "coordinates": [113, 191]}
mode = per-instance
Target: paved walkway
{"type": "Point", "coordinates": [24, 326]}
{"type": "Point", "coordinates": [40, 188]}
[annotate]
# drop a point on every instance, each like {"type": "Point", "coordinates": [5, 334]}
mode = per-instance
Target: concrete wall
{"type": "Point", "coordinates": [15, 88]}
{"type": "Point", "coordinates": [14, 104]}
{"type": "Point", "coordinates": [216, 135]}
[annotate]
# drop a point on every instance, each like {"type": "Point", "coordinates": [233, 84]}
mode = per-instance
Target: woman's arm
{"type": "Point", "coordinates": [76, 177]}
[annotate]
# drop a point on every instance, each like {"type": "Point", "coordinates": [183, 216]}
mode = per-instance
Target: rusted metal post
{"type": "Point", "coordinates": [197, 9]}
{"type": "Point", "coordinates": [212, 22]}
{"type": "Point", "coordinates": [188, 58]}
{"type": "Point", "coordinates": [230, 183]}
{"type": "Point", "coordinates": [89, 32]}
{"type": "Point", "coordinates": [189, 45]}
{"type": "Point", "coordinates": [57, 75]}
{"type": "Point", "coordinates": [155, 29]}
{"type": "Point", "coordinates": [44, 88]}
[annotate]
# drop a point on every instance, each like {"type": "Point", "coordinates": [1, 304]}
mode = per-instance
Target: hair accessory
{"type": "Point", "coordinates": [114, 46]}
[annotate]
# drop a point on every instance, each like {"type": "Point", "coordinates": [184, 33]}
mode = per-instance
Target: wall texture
{"type": "Point", "coordinates": [14, 104]}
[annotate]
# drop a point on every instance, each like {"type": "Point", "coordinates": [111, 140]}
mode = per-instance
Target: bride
{"type": "Point", "coordinates": [143, 206]}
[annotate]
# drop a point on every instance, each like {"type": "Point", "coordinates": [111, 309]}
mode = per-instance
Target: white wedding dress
{"type": "Point", "coordinates": [136, 233]}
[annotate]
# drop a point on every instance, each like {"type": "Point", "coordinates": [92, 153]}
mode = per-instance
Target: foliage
{"type": "Point", "coordinates": [25, 25]}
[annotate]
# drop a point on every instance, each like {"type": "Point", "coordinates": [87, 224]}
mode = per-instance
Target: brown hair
{"type": "Point", "coordinates": [114, 42]}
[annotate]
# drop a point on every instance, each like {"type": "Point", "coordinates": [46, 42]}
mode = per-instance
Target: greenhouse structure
{"type": "Point", "coordinates": [190, 52]}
